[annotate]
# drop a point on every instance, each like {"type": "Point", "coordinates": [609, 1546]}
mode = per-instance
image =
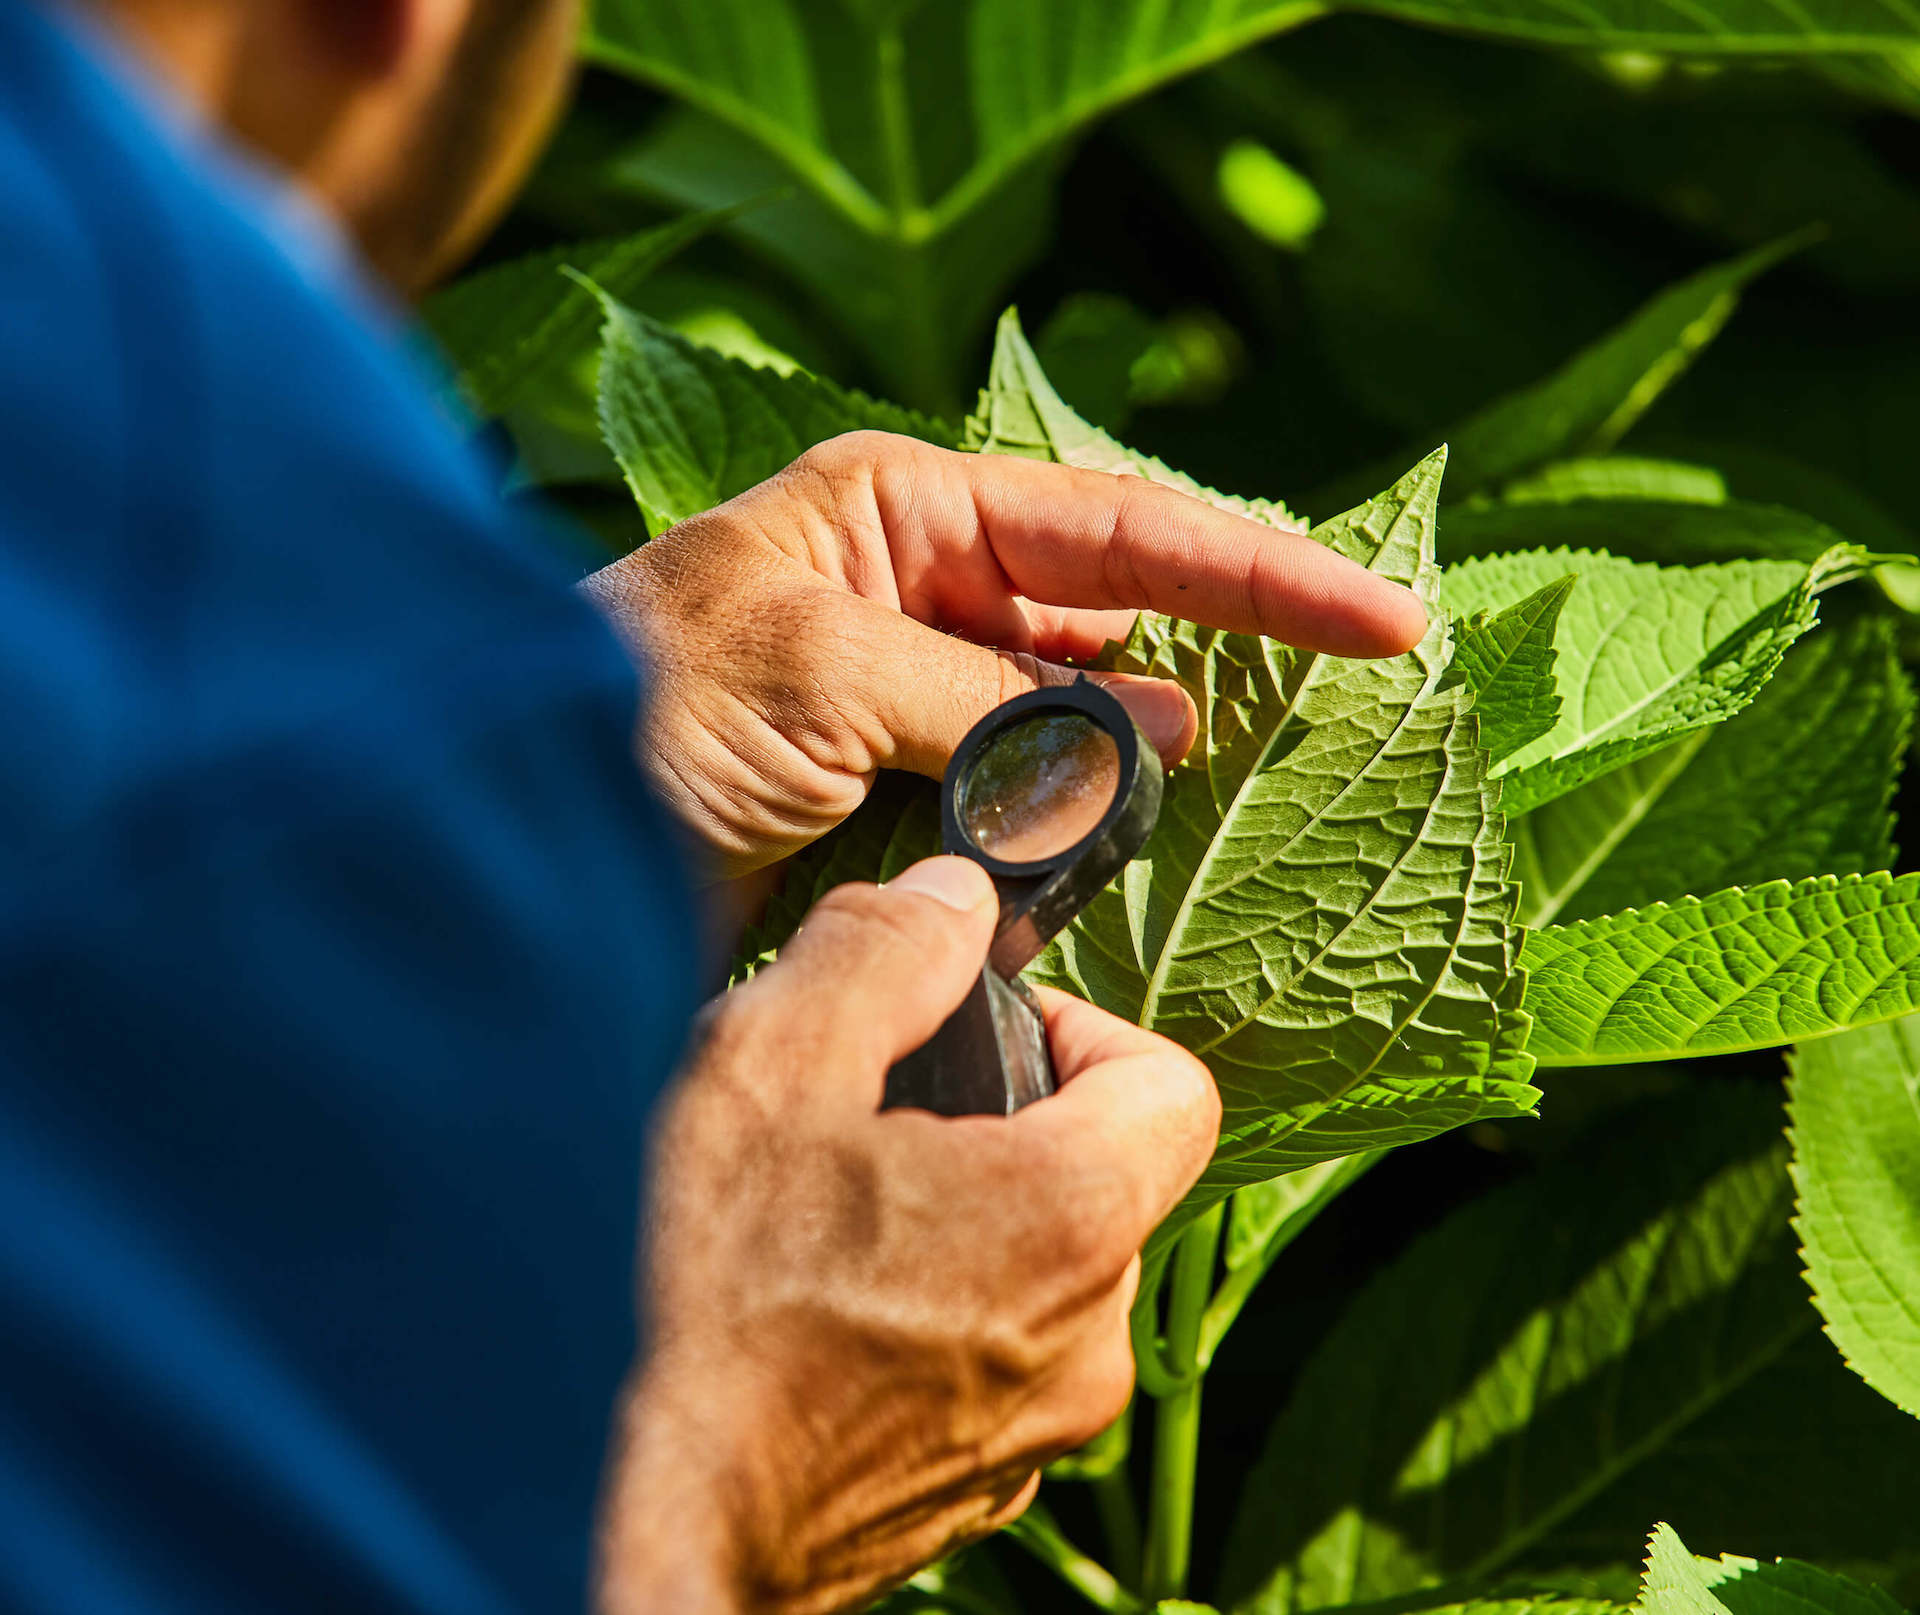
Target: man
{"type": "Point", "coordinates": [345, 948]}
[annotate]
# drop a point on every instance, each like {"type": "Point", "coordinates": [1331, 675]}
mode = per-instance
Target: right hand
{"type": "Point", "coordinates": [869, 1329]}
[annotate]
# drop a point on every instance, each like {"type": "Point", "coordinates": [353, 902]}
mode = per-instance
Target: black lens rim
{"type": "Point", "coordinates": [1082, 698]}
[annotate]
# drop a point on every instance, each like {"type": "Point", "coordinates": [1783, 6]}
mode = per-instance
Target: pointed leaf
{"type": "Point", "coordinates": [1679, 1584]}
{"type": "Point", "coordinates": [1856, 1163]}
{"type": "Point", "coordinates": [1587, 406]}
{"type": "Point", "coordinates": [1507, 661]}
{"type": "Point", "coordinates": [1743, 969]}
{"type": "Point", "coordinates": [1322, 914]}
{"type": "Point", "coordinates": [1799, 784]}
{"type": "Point", "coordinates": [691, 428]}
{"type": "Point", "coordinates": [1645, 653]}
{"type": "Point", "coordinates": [1020, 413]}
{"type": "Point", "coordinates": [502, 327]}
{"type": "Point", "coordinates": [1620, 1335]}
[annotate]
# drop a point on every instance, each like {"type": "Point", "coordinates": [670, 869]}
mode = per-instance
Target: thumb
{"type": "Point", "coordinates": [881, 967]}
{"type": "Point", "coordinates": [926, 689]}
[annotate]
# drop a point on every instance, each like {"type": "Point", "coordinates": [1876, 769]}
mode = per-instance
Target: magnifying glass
{"type": "Point", "coordinates": [1052, 793]}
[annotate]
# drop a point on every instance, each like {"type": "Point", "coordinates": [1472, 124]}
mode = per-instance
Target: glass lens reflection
{"type": "Point", "coordinates": [1040, 787]}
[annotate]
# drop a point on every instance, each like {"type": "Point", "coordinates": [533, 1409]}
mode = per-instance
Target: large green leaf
{"type": "Point", "coordinates": [1748, 968]}
{"type": "Point", "coordinates": [1618, 1337]}
{"type": "Point", "coordinates": [1856, 1163]}
{"type": "Point", "coordinates": [923, 136]}
{"type": "Point", "coordinates": [1645, 653]}
{"type": "Point", "coordinates": [691, 427]}
{"type": "Point", "coordinates": [502, 328]}
{"type": "Point", "coordinates": [1679, 1584]}
{"type": "Point", "coordinates": [1799, 784]}
{"type": "Point", "coordinates": [1322, 913]}
{"type": "Point", "coordinates": [1508, 662]}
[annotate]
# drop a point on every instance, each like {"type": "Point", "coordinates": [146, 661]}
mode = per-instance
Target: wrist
{"type": "Point", "coordinates": [673, 1526]}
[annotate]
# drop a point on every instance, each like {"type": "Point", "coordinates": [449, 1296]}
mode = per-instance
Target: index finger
{"type": "Point", "coordinates": [1136, 1105]}
{"type": "Point", "coordinates": [1063, 536]}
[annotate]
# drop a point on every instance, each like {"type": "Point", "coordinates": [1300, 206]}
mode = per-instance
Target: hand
{"type": "Point", "coordinates": [870, 1329]}
{"type": "Point", "coordinates": [801, 636]}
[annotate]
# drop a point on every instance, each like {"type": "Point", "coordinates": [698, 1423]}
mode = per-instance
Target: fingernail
{"type": "Point", "coordinates": [958, 882]}
{"type": "Point", "coordinates": [1161, 709]}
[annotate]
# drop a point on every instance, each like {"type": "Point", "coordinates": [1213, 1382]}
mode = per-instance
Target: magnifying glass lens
{"type": "Point", "coordinates": [1040, 787]}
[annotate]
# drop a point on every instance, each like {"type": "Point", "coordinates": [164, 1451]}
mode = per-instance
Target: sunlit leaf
{"type": "Point", "coordinates": [1507, 660]}
{"type": "Point", "coordinates": [1748, 968]}
{"type": "Point", "coordinates": [691, 427]}
{"type": "Point", "coordinates": [1856, 1163]}
{"type": "Point", "coordinates": [1620, 1336]}
{"type": "Point", "coordinates": [1798, 784]}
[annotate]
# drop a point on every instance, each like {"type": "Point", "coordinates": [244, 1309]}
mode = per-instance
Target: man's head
{"type": "Point", "coordinates": [412, 120]}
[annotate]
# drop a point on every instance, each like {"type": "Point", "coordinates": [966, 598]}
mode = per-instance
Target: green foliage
{"type": "Point", "coordinates": [1796, 785]}
{"type": "Point", "coordinates": [1322, 913]}
{"type": "Point", "coordinates": [1856, 1163]}
{"type": "Point", "coordinates": [505, 328]}
{"type": "Point", "coordinates": [1679, 1584]}
{"type": "Point", "coordinates": [1629, 729]}
{"type": "Point", "coordinates": [691, 427]}
{"type": "Point", "coordinates": [1741, 969]}
{"type": "Point", "coordinates": [1586, 407]}
{"type": "Point", "coordinates": [1508, 663]}
{"type": "Point", "coordinates": [1557, 1363]}
{"type": "Point", "coordinates": [1644, 654]}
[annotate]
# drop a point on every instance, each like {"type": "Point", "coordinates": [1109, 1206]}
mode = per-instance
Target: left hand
{"type": "Point", "coordinates": [868, 605]}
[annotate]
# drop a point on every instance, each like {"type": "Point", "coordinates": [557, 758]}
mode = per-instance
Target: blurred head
{"type": "Point", "coordinates": [413, 121]}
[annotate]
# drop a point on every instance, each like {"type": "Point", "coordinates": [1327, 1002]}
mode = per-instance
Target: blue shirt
{"type": "Point", "coordinates": [342, 951]}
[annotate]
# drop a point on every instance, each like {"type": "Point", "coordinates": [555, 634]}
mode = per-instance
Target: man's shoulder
{"type": "Point", "coordinates": [230, 515]}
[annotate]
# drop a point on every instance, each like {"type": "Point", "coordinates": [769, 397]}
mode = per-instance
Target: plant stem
{"type": "Point", "coordinates": [1120, 1520]}
{"type": "Point", "coordinates": [1176, 1429]}
{"type": "Point", "coordinates": [1036, 1532]}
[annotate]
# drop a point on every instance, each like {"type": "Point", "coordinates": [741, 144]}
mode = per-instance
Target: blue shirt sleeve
{"type": "Point", "coordinates": [342, 952]}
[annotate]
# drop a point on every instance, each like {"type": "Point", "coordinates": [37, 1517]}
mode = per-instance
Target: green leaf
{"type": "Point", "coordinates": [1799, 784]}
{"type": "Point", "coordinates": [1020, 413]}
{"type": "Point", "coordinates": [1743, 969]}
{"type": "Point", "coordinates": [1617, 477]}
{"type": "Point", "coordinates": [1589, 404]}
{"type": "Point", "coordinates": [1322, 913]}
{"type": "Point", "coordinates": [1669, 532]}
{"type": "Point", "coordinates": [691, 427]}
{"type": "Point", "coordinates": [1507, 661]}
{"type": "Point", "coordinates": [1679, 1584]}
{"type": "Point", "coordinates": [505, 326]}
{"type": "Point", "coordinates": [1730, 27]}
{"type": "Point", "coordinates": [1856, 1163]}
{"type": "Point", "coordinates": [1645, 653]}
{"type": "Point", "coordinates": [924, 136]}
{"type": "Point", "coordinates": [1619, 1336]}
